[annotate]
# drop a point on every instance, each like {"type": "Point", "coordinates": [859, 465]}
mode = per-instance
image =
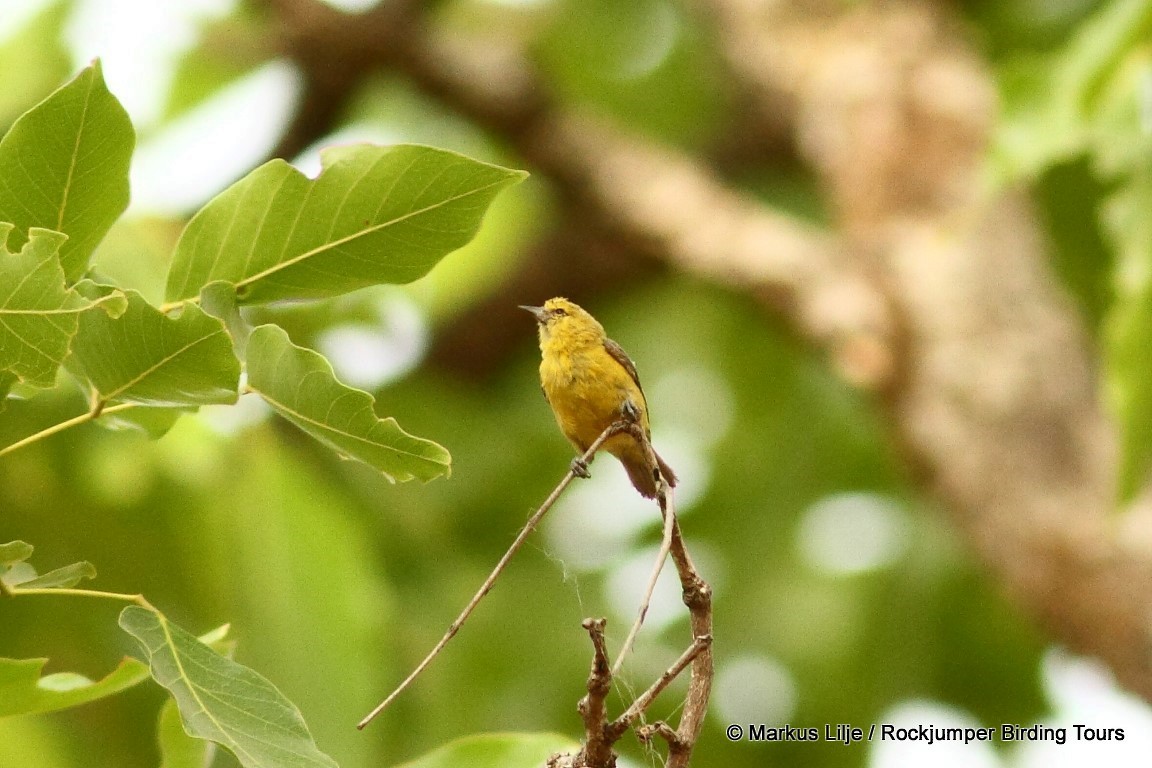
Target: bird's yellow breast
{"type": "Point", "coordinates": [586, 388]}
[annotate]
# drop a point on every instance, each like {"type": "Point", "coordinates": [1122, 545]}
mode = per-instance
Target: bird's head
{"type": "Point", "coordinates": [567, 322]}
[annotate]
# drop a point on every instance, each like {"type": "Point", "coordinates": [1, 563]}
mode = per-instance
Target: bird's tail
{"type": "Point", "coordinates": [642, 474]}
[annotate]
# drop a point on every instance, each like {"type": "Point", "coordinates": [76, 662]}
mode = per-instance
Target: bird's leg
{"type": "Point", "coordinates": [579, 468]}
{"type": "Point", "coordinates": [629, 411]}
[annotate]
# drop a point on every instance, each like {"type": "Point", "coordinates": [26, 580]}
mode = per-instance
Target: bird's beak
{"type": "Point", "coordinates": [540, 313]}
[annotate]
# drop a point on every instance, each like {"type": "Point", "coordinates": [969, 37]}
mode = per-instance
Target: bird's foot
{"type": "Point", "coordinates": [629, 411]}
{"type": "Point", "coordinates": [580, 468]}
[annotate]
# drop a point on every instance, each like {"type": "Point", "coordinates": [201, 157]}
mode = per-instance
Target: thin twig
{"type": "Point", "coordinates": [600, 735]}
{"type": "Point", "coordinates": [486, 587]}
{"type": "Point", "coordinates": [663, 730]}
{"type": "Point", "coordinates": [644, 700]}
{"type": "Point", "coordinates": [697, 596]}
{"type": "Point", "coordinates": [668, 511]}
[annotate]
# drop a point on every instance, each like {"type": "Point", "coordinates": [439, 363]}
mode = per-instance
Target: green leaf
{"type": "Point", "coordinates": [177, 748]}
{"type": "Point", "coordinates": [219, 300]}
{"type": "Point", "coordinates": [153, 422]}
{"type": "Point", "coordinates": [64, 167]}
{"type": "Point", "coordinates": [221, 700]}
{"type": "Point", "coordinates": [14, 552]}
{"type": "Point", "coordinates": [496, 750]}
{"type": "Point", "coordinates": [374, 215]}
{"type": "Point", "coordinates": [67, 576]}
{"type": "Point", "coordinates": [1085, 96]}
{"type": "Point", "coordinates": [23, 691]}
{"type": "Point", "coordinates": [38, 314]}
{"type": "Point", "coordinates": [153, 359]}
{"type": "Point", "coordinates": [299, 384]}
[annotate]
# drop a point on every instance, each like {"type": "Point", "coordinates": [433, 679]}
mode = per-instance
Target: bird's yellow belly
{"type": "Point", "coordinates": [586, 396]}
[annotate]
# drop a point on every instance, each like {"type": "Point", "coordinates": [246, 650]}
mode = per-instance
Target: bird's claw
{"type": "Point", "coordinates": [580, 468]}
{"type": "Point", "coordinates": [629, 411]}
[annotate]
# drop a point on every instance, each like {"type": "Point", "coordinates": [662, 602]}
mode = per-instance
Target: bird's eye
{"type": "Point", "coordinates": [559, 312]}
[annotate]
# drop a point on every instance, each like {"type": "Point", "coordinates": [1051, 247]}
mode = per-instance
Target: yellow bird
{"type": "Point", "coordinates": [590, 383]}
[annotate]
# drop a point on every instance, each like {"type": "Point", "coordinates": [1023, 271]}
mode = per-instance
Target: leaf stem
{"type": "Point", "coordinates": [96, 411]}
{"type": "Point", "coordinates": [139, 600]}
{"type": "Point", "coordinates": [168, 306]}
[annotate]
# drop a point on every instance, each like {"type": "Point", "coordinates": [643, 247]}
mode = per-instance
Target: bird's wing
{"type": "Point", "coordinates": [620, 356]}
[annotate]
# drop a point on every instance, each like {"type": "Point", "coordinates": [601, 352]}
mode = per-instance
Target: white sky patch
{"type": "Point", "coordinates": [918, 754]}
{"type": "Point", "coordinates": [204, 151]}
{"type": "Point", "coordinates": [227, 420]}
{"type": "Point", "coordinates": [370, 356]}
{"type": "Point", "coordinates": [139, 44]}
{"type": "Point", "coordinates": [1083, 691]}
{"type": "Point", "coordinates": [754, 689]}
{"type": "Point", "coordinates": [852, 533]}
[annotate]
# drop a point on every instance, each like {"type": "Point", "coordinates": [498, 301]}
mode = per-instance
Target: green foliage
{"type": "Point", "coordinates": [1090, 99]}
{"type": "Point", "coordinates": [64, 577]}
{"type": "Point", "coordinates": [149, 358]}
{"type": "Point", "coordinates": [643, 62]}
{"type": "Point", "coordinates": [374, 215]}
{"type": "Point", "coordinates": [218, 699]}
{"type": "Point", "coordinates": [14, 552]}
{"type": "Point", "coordinates": [221, 700]}
{"type": "Point", "coordinates": [177, 748]}
{"type": "Point", "coordinates": [64, 167]}
{"type": "Point", "coordinates": [16, 572]}
{"type": "Point", "coordinates": [38, 315]}
{"type": "Point", "coordinates": [23, 691]}
{"type": "Point", "coordinates": [299, 384]}
{"type": "Point", "coordinates": [1129, 338]}
{"type": "Point", "coordinates": [511, 750]}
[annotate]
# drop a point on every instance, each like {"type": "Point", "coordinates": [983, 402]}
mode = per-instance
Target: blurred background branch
{"type": "Point", "coordinates": [919, 298]}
